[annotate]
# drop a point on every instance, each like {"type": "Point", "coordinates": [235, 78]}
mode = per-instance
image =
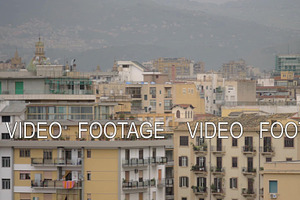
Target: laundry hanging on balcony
{"type": "Point", "coordinates": [68, 184]}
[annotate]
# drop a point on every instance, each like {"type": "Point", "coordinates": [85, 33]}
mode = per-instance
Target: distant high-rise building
{"type": "Point", "coordinates": [235, 69]}
{"type": "Point", "coordinates": [199, 67]}
{"type": "Point", "coordinates": [287, 63]}
{"type": "Point", "coordinates": [183, 66]}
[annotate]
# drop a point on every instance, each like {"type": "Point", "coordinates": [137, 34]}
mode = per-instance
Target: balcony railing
{"type": "Point", "coordinates": [267, 150]}
{"type": "Point", "coordinates": [55, 162]}
{"type": "Point", "coordinates": [249, 150]}
{"type": "Point", "coordinates": [198, 190]}
{"type": "Point", "coordinates": [218, 171]}
{"type": "Point", "coordinates": [249, 171]}
{"type": "Point", "coordinates": [131, 185]}
{"type": "Point", "coordinates": [199, 169]}
{"type": "Point", "coordinates": [218, 192]}
{"type": "Point", "coordinates": [200, 149]}
{"type": "Point", "coordinates": [219, 150]}
{"type": "Point", "coordinates": [135, 162]}
{"type": "Point", "coordinates": [158, 160]}
{"type": "Point", "coordinates": [55, 184]}
{"type": "Point", "coordinates": [248, 193]}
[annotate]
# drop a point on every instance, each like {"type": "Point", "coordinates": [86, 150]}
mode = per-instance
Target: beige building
{"type": "Point", "coordinates": [230, 168]}
{"type": "Point", "coordinates": [235, 69]}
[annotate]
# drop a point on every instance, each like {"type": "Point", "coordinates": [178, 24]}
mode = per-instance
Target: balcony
{"type": "Point", "coordinates": [249, 172]}
{"type": "Point", "coordinates": [217, 192]}
{"type": "Point", "coordinates": [135, 162]}
{"type": "Point", "coordinates": [200, 170]}
{"type": "Point", "coordinates": [267, 151]}
{"type": "Point", "coordinates": [168, 96]}
{"type": "Point", "coordinates": [201, 192]}
{"type": "Point", "coordinates": [218, 171]}
{"type": "Point", "coordinates": [249, 150]}
{"type": "Point", "coordinates": [248, 193]}
{"type": "Point", "coordinates": [200, 150]}
{"type": "Point", "coordinates": [55, 184]}
{"type": "Point", "coordinates": [169, 182]}
{"type": "Point", "coordinates": [158, 160]}
{"type": "Point", "coordinates": [55, 162]}
{"type": "Point", "coordinates": [138, 185]}
{"type": "Point", "coordinates": [218, 150]}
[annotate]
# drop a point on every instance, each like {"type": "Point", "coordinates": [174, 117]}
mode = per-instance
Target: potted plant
{"type": "Point", "coordinates": [122, 116]}
{"type": "Point", "coordinates": [131, 117]}
{"type": "Point", "coordinates": [213, 187]}
{"type": "Point", "coordinates": [152, 182]}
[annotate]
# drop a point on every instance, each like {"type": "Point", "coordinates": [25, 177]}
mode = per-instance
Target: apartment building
{"type": "Point", "coordinates": [228, 168]}
{"type": "Point", "coordinates": [290, 62]}
{"type": "Point", "coordinates": [218, 92]}
{"type": "Point", "coordinates": [281, 180]}
{"type": "Point", "coordinates": [235, 69]}
{"type": "Point", "coordinates": [10, 112]}
{"type": "Point", "coordinates": [174, 67]}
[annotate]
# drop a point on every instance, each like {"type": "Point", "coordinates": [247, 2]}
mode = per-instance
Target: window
{"type": "Point", "coordinates": [289, 159]}
{"type": "Point", "coordinates": [5, 184]}
{"type": "Point", "coordinates": [183, 91]}
{"type": "Point", "coordinates": [5, 161]}
{"type": "Point", "coordinates": [24, 176]}
{"type": "Point", "coordinates": [89, 176]}
{"type": "Point", "coordinates": [233, 183]}
{"type": "Point", "coordinates": [272, 186]}
{"type": "Point", "coordinates": [81, 85]}
{"type": "Point", "coordinates": [234, 142]}
{"type": "Point", "coordinates": [5, 136]}
{"type": "Point", "coordinates": [183, 161]}
{"type": "Point", "coordinates": [234, 161]}
{"type": "Point", "coordinates": [184, 140]}
{"type": "Point", "coordinates": [47, 154]}
{"type": "Point", "coordinates": [153, 92]}
{"type": "Point", "coordinates": [89, 154]}
{"type": "Point", "coordinates": [199, 141]}
{"type": "Point", "coordinates": [5, 119]}
{"type": "Point", "coordinates": [145, 97]}
{"type": "Point", "coordinates": [183, 198]}
{"type": "Point", "coordinates": [24, 153]}
{"type": "Point", "coordinates": [288, 142]}
{"type": "Point", "coordinates": [178, 114]}
{"type": "Point", "coordinates": [183, 181]}
{"type": "Point", "coordinates": [268, 159]}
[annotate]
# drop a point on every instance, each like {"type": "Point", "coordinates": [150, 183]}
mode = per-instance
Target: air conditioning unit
{"type": "Point", "coordinates": [66, 127]}
{"type": "Point", "coordinates": [273, 196]}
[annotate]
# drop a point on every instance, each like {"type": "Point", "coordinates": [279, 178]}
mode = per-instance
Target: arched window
{"type": "Point", "coordinates": [185, 114]}
{"type": "Point", "coordinates": [178, 114]}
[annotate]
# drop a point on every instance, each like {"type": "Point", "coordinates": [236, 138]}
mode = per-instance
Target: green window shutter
{"type": "Point", "coordinates": [0, 88]}
{"type": "Point", "coordinates": [19, 88]}
{"type": "Point", "coordinates": [273, 187]}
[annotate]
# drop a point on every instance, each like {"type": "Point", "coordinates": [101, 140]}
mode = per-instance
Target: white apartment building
{"type": "Point", "coordinates": [10, 112]}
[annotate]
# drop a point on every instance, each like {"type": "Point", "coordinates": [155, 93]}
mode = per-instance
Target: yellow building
{"type": "Point", "coordinates": [187, 93]}
{"type": "Point", "coordinates": [281, 180]}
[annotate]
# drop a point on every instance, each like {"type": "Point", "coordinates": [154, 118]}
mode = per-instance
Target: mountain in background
{"type": "Point", "coordinates": [99, 32]}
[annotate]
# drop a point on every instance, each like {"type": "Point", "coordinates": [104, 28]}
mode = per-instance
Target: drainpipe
{"type": "Point", "coordinates": [258, 166]}
{"type": "Point", "coordinates": [149, 192]}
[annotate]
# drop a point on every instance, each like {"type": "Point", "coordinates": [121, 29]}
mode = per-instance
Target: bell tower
{"type": "Point", "coordinates": [39, 49]}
